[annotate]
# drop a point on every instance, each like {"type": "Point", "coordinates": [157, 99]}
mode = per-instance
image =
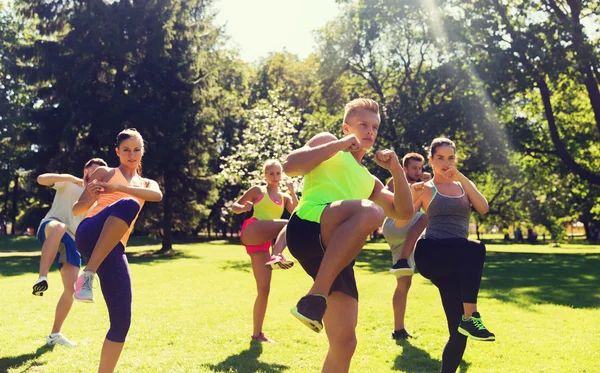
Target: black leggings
{"type": "Point", "coordinates": [455, 266]}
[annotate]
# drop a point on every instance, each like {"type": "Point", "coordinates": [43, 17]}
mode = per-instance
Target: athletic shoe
{"type": "Point", "coordinates": [83, 287]}
{"type": "Point", "coordinates": [401, 334]}
{"type": "Point", "coordinates": [473, 328]}
{"type": "Point", "coordinates": [401, 268]}
{"type": "Point", "coordinates": [261, 338]}
{"type": "Point", "coordinates": [310, 310]}
{"type": "Point", "coordinates": [59, 339]}
{"type": "Point", "coordinates": [279, 261]}
{"type": "Point", "coordinates": [40, 286]}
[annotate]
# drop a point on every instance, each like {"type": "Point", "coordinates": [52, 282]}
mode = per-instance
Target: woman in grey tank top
{"type": "Point", "coordinates": [445, 255]}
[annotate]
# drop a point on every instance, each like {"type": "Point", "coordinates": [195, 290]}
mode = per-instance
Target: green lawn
{"type": "Point", "coordinates": [192, 313]}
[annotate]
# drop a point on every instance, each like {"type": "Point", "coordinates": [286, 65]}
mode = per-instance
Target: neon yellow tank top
{"type": "Point", "coordinates": [266, 209]}
{"type": "Point", "coordinates": [337, 179]}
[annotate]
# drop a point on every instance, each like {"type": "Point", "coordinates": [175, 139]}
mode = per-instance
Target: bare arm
{"type": "Point", "coordinates": [397, 205]}
{"type": "Point", "coordinates": [150, 192]}
{"type": "Point", "coordinates": [414, 233]}
{"type": "Point", "coordinates": [316, 151]}
{"type": "Point", "coordinates": [421, 194]}
{"type": "Point", "coordinates": [91, 192]}
{"type": "Point", "coordinates": [51, 179]}
{"type": "Point", "coordinates": [291, 200]}
{"type": "Point", "coordinates": [477, 199]}
{"type": "Point", "coordinates": [246, 201]}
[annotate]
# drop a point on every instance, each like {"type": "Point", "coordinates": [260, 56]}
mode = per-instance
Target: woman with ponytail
{"type": "Point", "coordinates": [101, 238]}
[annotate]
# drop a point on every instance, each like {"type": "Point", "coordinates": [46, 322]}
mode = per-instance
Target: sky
{"type": "Point", "coordinates": [258, 27]}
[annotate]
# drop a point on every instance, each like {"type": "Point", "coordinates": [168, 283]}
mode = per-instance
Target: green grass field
{"type": "Point", "coordinates": [192, 313]}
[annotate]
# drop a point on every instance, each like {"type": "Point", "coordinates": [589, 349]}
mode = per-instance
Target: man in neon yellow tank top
{"type": "Point", "coordinates": [342, 203]}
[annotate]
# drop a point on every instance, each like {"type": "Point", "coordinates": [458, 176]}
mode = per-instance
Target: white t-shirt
{"type": "Point", "coordinates": [67, 193]}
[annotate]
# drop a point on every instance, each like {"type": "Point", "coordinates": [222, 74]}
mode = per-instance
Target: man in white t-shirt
{"type": "Point", "coordinates": [57, 235]}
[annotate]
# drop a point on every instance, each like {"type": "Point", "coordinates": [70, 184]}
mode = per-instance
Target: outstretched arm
{"type": "Point", "coordinates": [50, 179]}
{"type": "Point", "coordinates": [316, 151]}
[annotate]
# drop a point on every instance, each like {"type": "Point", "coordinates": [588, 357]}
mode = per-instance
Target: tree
{"type": "Point", "coordinates": [270, 133]}
{"type": "Point", "coordinates": [153, 65]}
{"type": "Point", "coordinates": [545, 58]}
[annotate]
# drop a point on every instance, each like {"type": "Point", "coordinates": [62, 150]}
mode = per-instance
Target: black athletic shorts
{"type": "Point", "coordinates": [304, 241]}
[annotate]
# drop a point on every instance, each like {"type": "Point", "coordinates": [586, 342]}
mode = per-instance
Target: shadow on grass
{"type": "Point", "coordinates": [10, 244]}
{"type": "Point", "coordinates": [29, 359]}
{"type": "Point", "coordinates": [247, 362]}
{"type": "Point", "coordinates": [16, 265]}
{"type": "Point", "coordinates": [415, 360]}
{"type": "Point", "coordinates": [238, 265]}
{"type": "Point", "coordinates": [525, 278]}
{"type": "Point", "coordinates": [562, 279]}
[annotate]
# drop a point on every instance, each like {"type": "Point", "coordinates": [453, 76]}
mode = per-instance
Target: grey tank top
{"type": "Point", "coordinates": [448, 215]}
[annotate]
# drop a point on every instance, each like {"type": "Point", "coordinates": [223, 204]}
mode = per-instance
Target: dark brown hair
{"type": "Point", "coordinates": [129, 133]}
{"type": "Point", "coordinates": [98, 161]}
{"type": "Point", "coordinates": [412, 157]}
{"type": "Point", "coordinates": [440, 141]}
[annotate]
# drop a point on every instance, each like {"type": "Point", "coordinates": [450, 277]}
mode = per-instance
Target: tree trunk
{"type": "Point", "coordinates": [15, 199]}
{"type": "Point", "coordinates": [584, 59]}
{"type": "Point", "coordinates": [588, 231]}
{"type": "Point", "coordinates": [561, 149]}
{"type": "Point", "coordinates": [6, 198]}
{"type": "Point", "coordinates": [167, 242]}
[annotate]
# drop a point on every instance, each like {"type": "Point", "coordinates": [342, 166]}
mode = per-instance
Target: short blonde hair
{"type": "Point", "coordinates": [271, 162]}
{"type": "Point", "coordinates": [360, 103]}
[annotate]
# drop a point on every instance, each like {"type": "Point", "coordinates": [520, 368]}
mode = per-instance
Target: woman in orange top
{"type": "Point", "coordinates": [258, 232]}
{"type": "Point", "coordinates": [119, 194]}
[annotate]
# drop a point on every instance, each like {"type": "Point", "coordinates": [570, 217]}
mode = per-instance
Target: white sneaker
{"type": "Point", "coordinates": [59, 339]}
{"type": "Point", "coordinates": [40, 286]}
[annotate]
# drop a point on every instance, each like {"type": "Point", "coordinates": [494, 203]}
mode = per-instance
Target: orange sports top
{"type": "Point", "coordinates": [108, 199]}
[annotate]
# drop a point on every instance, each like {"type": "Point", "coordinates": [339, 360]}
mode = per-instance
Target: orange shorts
{"type": "Point", "coordinates": [265, 246]}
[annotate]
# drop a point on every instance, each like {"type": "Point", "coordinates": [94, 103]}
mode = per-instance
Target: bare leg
{"type": "Point", "coordinates": [262, 275]}
{"type": "Point", "coordinates": [280, 242]}
{"type": "Point", "coordinates": [111, 351]}
{"type": "Point", "coordinates": [69, 274]}
{"type": "Point", "coordinates": [340, 324]}
{"type": "Point", "coordinates": [262, 231]}
{"type": "Point", "coordinates": [345, 226]}
{"type": "Point", "coordinates": [399, 301]}
{"type": "Point", "coordinates": [54, 231]}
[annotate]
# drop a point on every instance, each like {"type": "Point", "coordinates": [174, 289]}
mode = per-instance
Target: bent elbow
{"type": "Point", "coordinates": [484, 210]}
{"type": "Point", "coordinates": [289, 170]}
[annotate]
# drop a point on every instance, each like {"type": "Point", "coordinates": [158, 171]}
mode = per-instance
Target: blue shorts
{"type": "Point", "coordinates": [67, 251]}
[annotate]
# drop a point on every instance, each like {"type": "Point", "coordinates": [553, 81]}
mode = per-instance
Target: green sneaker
{"type": "Point", "coordinates": [473, 328]}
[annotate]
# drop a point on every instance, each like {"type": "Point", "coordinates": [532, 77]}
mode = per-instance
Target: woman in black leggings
{"type": "Point", "coordinates": [445, 255]}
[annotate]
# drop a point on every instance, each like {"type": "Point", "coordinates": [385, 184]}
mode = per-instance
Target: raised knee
{"type": "Point", "coordinates": [58, 228]}
{"type": "Point", "coordinates": [372, 215]}
{"type": "Point", "coordinates": [129, 203]}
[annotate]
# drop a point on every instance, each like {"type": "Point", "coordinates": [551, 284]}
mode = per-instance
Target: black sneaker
{"type": "Point", "coordinates": [401, 268]}
{"type": "Point", "coordinates": [473, 328]}
{"type": "Point", "coordinates": [401, 334]}
{"type": "Point", "coordinates": [310, 310]}
{"type": "Point", "coordinates": [40, 286]}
